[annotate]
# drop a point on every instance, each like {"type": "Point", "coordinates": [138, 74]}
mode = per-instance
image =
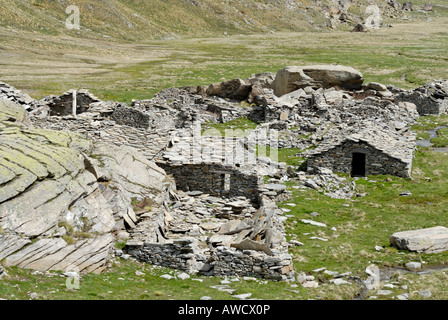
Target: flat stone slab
{"type": "Point", "coordinates": [430, 240]}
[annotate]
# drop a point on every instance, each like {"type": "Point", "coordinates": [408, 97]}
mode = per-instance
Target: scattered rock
{"type": "Point", "coordinates": [242, 296]}
{"type": "Point", "coordinates": [183, 276]}
{"type": "Point", "coordinates": [404, 296]}
{"type": "Point", "coordinates": [425, 293]}
{"type": "Point", "coordinates": [295, 243]}
{"type": "Point", "coordinates": [310, 284]}
{"type": "Point", "coordinates": [384, 292]}
{"type": "Point", "coordinates": [339, 281]}
{"type": "Point", "coordinates": [314, 223]}
{"type": "Point", "coordinates": [413, 266]}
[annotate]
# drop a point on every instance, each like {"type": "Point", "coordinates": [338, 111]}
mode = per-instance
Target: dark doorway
{"type": "Point", "coordinates": [358, 164]}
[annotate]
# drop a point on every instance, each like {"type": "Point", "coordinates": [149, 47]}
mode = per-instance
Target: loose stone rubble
{"type": "Point", "coordinates": [8, 92]}
{"type": "Point", "coordinates": [207, 208]}
{"type": "Point", "coordinates": [429, 99]}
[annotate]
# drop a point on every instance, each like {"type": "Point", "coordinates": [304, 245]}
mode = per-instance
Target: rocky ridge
{"type": "Point", "coordinates": [60, 207]}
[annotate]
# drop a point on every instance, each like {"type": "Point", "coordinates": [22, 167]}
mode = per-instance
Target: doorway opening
{"type": "Point", "coordinates": [358, 164]}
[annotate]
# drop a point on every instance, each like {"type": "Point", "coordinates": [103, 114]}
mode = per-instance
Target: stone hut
{"type": "Point", "coordinates": [219, 166]}
{"type": "Point", "coordinates": [366, 150]}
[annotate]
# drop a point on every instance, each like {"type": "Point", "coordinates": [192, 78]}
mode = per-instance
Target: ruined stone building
{"type": "Point", "coordinates": [431, 98]}
{"type": "Point", "coordinates": [365, 151]}
{"type": "Point", "coordinates": [220, 166]}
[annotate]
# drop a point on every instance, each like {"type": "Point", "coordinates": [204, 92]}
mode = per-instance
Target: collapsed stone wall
{"type": "Point", "coordinates": [339, 159]}
{"type": "Point", "coordinates": [266, 256]}
{"type": "Point", "coordinates": [431, 98]}
{"type": "Point", "coordinates": [123, 115]}
{"type": "Point", "coordinates": [168, 112]}
{"type": "Point", "coordinates": [63, 105]}
{"type": "Point", "coordinates": [185, 254]}
{"type": "Point", "coordinates": [425, 105]}
{"type": "Point", "coordinates": [8, 92]}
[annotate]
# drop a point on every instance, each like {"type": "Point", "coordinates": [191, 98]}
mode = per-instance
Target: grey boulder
{"type": "Point", "coordinates": [429, 240]}
{"type": "Point", "coordinates": [292, 78]}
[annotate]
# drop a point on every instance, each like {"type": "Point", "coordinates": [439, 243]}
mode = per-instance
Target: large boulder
{"type": "Point", "coordinates": [429, 240]}
{"type": "Point", "coordinates": [232, 89]}
{"type": "Point", "coordinates": [292, 78]}
{"type": "Point", "coordinates": [63, 198]}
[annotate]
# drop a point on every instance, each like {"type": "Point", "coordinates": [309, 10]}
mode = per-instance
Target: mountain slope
{"type": "Point", "coordinates": [153, 19]}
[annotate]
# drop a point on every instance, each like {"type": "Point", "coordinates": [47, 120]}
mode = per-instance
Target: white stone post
{"type": "Point", "coordinates": [74, 103]}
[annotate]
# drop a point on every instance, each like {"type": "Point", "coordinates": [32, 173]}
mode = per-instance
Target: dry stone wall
{"type": "Point", "coordinates": [267, 257]}
{"type": "Point", "coordinates": [217, 180]}
{"type": "Point", "coordinates": [339, 159]}
{"type": "Point", "coordinates": [431, 98]}
{"type": "Point", "coordinates": [148, 142]}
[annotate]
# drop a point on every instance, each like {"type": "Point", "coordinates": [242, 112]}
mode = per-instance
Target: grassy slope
{"type": "Point", "coordinates": [155, 19]}
{"type": "Point", "coordinates": [137, 19]}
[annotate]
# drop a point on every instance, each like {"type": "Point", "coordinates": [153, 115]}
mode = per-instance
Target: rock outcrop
{"type": "Point", "coordinates": [63, 197]}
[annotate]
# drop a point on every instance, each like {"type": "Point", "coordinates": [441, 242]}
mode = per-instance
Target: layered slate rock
{"type": "Point", "coordinates": [429, 240]}
{"type": "Point", "coordinates": [292, 78]}
{"type": "Point", "coordinates": [63, 197]}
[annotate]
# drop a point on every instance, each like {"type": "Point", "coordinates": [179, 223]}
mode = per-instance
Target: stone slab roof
{"type": "Point", "coordinates": [397, 144]}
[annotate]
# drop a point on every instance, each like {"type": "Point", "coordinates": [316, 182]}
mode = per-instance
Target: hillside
{"type": "Point", "coordinates": [156, 19]}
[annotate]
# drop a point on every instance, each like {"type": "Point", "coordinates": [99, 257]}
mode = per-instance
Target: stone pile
{"type": "Point", "coordinates": [330, 184]}
{"type": "Point", "coordinates": [179, 108]}
{"type": "Point", "coordinates": [8, 92]}
{"type": "Point", "coordinates": [216, 236]}
{"type": "Point", "coordinates": [431, 98]}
